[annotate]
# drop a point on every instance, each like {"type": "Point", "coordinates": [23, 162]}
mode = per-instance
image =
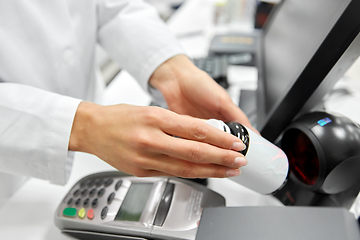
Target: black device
{"type": "Point", "coordinates": [324, 151]}
{"type": "Point", "coordinates": [324, 160]}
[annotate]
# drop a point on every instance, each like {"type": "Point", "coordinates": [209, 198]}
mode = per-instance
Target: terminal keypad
{"type": "Point", "coordinates": [85, 198]}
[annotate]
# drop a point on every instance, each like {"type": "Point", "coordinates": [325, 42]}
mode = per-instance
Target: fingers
{"type": "Point", "coordinates": [169, 166]}
{"type": "Point", "coordinates": [198, 130]}
{"type": "Point", "coordinates": [198, 152]}
{"type": "Point", "coordinates": [198, 143]}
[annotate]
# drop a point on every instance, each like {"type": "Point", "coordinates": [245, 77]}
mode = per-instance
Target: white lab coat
{"type": "Point", "coordinates": [47, 67]}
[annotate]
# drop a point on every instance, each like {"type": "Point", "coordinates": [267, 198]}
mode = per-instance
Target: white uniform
{"type": "Point", "coordinates": [47, 67]}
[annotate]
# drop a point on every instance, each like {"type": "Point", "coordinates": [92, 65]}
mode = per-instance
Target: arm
{"type": "Point", "coordinates": [34, 132]}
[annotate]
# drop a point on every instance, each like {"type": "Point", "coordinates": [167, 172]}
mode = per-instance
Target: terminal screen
{"type": "Point", "coordinates": [134, 202]}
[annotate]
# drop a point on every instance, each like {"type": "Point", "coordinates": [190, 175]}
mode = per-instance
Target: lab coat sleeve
{"type": "Point", "coordinates": [34, 132]}
{"type": "Point", "coordinates": [134, 35]}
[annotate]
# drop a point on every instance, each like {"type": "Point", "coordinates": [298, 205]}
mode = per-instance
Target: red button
{"type": "Point", "coordinates": [90, 214]}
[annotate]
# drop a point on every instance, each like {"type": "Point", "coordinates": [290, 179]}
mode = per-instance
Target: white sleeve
{"type": "Point", "coordinates": [35, 126]}
{"type": "Point", "coordinates": [134, 35]}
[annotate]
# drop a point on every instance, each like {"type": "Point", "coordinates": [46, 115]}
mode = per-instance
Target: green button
{"type": "Point", "coordinates": [69, 212]}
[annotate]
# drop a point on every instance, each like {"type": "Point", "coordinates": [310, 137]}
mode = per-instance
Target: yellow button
{"type": "Point", "coordinates": [81, 213]}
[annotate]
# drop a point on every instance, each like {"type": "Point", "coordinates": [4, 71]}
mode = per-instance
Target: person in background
{"type": "Point", "coordinates": [50, 85]}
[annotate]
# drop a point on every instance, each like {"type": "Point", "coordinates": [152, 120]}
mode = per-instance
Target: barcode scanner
{"type": "Point", "coordinates": [323, 151]}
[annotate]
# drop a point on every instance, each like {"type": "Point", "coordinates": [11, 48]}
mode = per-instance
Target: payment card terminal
{"type": "Point", "coordinates": [114, 205]}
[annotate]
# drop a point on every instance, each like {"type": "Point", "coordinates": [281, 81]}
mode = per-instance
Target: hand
{"type": "Point", "coordinates": [140, 141]}
{"type": "Point", "coordinates": [191, 91]}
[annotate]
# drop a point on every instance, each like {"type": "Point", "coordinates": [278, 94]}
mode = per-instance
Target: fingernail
{"type": "Point", "coordinates": [238, 146]}
{"type": "Point", "coordinates": [233, 172]}
{"type": "Point", "coordinates": [240, 161]}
